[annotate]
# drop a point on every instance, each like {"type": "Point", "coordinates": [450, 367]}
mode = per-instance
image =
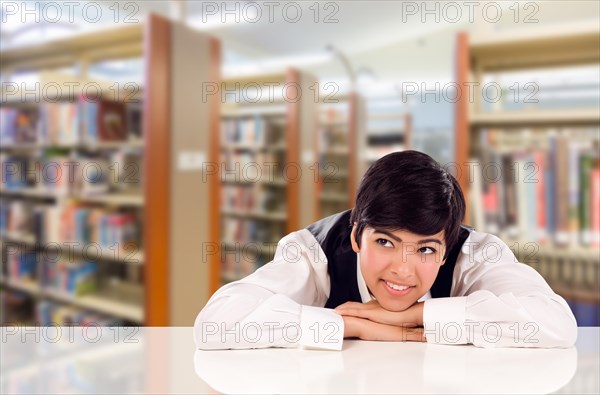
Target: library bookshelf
{"type": "Point", "coordinates": [545, 203]}
{"type": "Point", "coordinates": [340, 140]}
{"type": "Point", "coordinates": [126, 264]}
{"type": "Point", "coordinates": [264, 145]}
{"type": "Point", "coordinates": [389, 127]}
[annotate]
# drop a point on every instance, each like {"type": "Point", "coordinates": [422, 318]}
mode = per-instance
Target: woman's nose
{"type": "Point", "coordinates": [404, 261]}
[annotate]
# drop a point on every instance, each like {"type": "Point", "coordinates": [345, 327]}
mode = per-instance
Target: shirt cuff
{"type": "Point", "coordinates": [321, 328]}
{"type": "Point", "coordinates": [444, 320]}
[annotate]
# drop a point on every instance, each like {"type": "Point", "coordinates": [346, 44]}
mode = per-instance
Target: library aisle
{"type": "Point", "coordinates": [154, 155]}
{"type": "Point", "coordinates": [161, 150]}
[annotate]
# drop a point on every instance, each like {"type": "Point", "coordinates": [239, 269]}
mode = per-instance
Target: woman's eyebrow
{"type": "Point", "coordinates": [393, 236]}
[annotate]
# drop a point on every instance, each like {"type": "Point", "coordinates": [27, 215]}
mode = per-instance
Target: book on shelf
{"type": "Point", "coordinates": [103, 120]}
{"type": "Point", "coordinates": [87, 225]}
{"type": "Point", "coordinates": [252, 162]}
{"type": "Point", "coordinates": [252, 131]}
{"type": "Point", "coordinates": [19, 125]}
{"type": "Point", "coordinates": [561, 88]}
{"type": "Point", "coordinates": [245, 231]}
{"type": "Point", "coordinates": [14, 171]}
{"type": "Point", "coordinates": [58, 172]}
{"type": "Point", "coordinates": [245, 131]}
{"type": "Point", "coordinates": [111, 121]}
{"type": "Point", "coordinates": [71, 122]}
{"type": "Point", "coordinates": [92, 176]}
{"type": "Point", "coordinates": [542, 190]}
{"type": "Point", "coordinates": [16, 218]}
{"type": "Point", "coordinates": [49, 313]}
{"type": "Point", "coordinates": [106, 229]}
{"type": "Point", "coordinates": [134, 120]}
{"type": "Point", "coordinates": [60, 123]}
{"type": "Point", "coordinates": [75, 277]}
{"type": "Point", "coordinates": [21, 265]}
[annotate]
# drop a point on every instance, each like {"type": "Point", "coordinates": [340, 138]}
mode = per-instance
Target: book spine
{"type": "Point", "coordinates": [476, 197]}
{"type": "Point", "coordinates": [541, 196]}
{"type": "Point", "coordinates": [574, 177]}
{"type": "Point", "coordinates": [550, 191]}
{"type": "Point", "coordinates": [584, 199]}
{"type": "Point", "coordinates": [562, 192]}
{"type": "Point", "coordinates": [521, 200]}
{"type": "Point", "coordinates": [595, 204]}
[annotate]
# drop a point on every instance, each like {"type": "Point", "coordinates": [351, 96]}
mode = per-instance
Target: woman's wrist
{"type": "Point", "coordinates": [418, 317]}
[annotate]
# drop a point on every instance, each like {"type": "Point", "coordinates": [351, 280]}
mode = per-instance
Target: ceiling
{"type": "Point", "coordinates": [382, 36]}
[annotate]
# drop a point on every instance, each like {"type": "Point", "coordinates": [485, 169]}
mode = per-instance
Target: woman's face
{"type": "Point", "coordinates": [399, 267]}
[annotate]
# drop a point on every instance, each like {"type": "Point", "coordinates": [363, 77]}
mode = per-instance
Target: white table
{"type": "Point", "coordinates": [164, 360]}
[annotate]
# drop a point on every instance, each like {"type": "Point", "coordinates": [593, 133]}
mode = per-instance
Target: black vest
{"type": "Point", "coordinates": [333, 235]}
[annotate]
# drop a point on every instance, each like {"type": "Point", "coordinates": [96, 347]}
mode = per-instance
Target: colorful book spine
{"type": "Point", "coordinates": [586, 163]}
{"type": "Point", "coordinates": [595, 204]}
{"type": "Point", "coordinates": [562, 191]}
{"type": "Point", "coordinates": [540, 192]}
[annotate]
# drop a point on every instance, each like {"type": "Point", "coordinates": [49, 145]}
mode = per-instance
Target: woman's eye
{"type": "Point", "coordinates": [384, 242]}
{"type": "Point", "coordinates": [426, 250]}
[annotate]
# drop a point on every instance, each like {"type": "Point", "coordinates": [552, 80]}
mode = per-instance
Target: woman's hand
{"type": "Point", "coordinates": [411, 317]}
{"type": "Point", "coordinates": [365, 329]}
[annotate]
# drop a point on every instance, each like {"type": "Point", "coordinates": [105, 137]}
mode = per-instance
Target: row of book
{"type": "Point", "coordinates": [52, 313]}
{"type": "Point", "coordinates": [244, 231]}
{"type": "Point", "coordinates": [83, 121]}
{"type": "Point", "coordinates": [252, 198]}
{"type": "Point", "coordinates": [334, 161]}
{"type": "Point", "coordinates": [85, 225]}
{"type": "Point", "coordinates": [85, 175]}
{"type": "Point", "coordinates": [238, 197]}
{"type": "Point", "coordinates": [73, 278]}
{"type": "Point", "coordinates": [21, 266]}
{"type": "Point", "coordinates": [573, 277]}
{"type": "Point", "coordinates": [252, 131]}
{"type": "Point", "coordinates": [71, 223]}
{"type": "Point", "coordinates": [541, 185]}
{"type": "Point", "coordinates": [253, 170]}
{"type": "Point", "coordinates": [573, 89]}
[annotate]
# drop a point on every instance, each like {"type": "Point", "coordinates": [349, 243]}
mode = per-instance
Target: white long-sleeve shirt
{"type": "Point", "coordinates": [495, 301]}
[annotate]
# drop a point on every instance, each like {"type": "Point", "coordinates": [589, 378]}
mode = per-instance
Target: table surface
{"type": "Point", "coordinates": [164, 360]}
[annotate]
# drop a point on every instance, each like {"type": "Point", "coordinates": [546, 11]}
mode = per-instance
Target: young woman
{"type": "Point", "coordinates": [397, 267]}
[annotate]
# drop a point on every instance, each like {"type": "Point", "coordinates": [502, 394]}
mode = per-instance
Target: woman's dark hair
{"type": "Point", "coordinates": [410, 191]}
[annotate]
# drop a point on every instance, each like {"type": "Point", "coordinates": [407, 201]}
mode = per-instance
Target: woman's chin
{"type": "Point", "coordinates": [394, 306]}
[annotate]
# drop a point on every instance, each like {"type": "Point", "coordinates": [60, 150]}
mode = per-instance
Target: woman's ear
{"type": "Point", "coordinates": [353, 239]}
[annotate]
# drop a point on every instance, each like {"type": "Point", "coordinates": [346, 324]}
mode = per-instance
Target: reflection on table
{"type": "Point", "coordinates": [164, 360]}
{"type": "Point", "coordinates": [379, 367]}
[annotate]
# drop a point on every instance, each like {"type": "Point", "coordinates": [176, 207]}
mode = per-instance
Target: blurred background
{"type": "Point", "coordinates": [153, 151]}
